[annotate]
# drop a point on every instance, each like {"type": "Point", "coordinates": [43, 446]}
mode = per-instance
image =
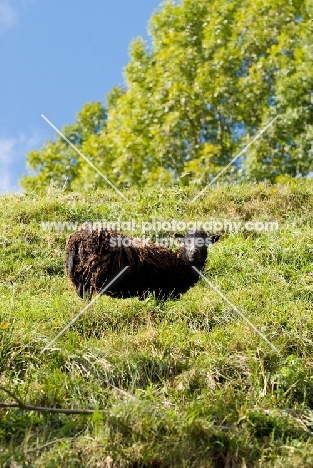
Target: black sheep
{"type": "Point", "coordinates": [94, 258]}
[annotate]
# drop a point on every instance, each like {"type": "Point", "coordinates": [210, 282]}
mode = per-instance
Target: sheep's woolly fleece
{"type": "Point", "coordinates": [92, 262]}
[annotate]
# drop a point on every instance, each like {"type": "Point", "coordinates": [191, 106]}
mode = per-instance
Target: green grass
{"type": "Point", "coordinates": [182, 383]}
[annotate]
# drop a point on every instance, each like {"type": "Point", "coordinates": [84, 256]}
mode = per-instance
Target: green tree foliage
{"type": "Point", "coordinates": [57, 161]}
{"type": "Point", "coordinates": [216, 73]}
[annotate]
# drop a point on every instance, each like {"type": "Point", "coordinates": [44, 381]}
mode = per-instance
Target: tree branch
{"type": "Point", "coordinates": [42, 409]}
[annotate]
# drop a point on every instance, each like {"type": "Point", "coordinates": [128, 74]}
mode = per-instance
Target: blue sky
{"type": "Point", "coordinates": [54, 57]}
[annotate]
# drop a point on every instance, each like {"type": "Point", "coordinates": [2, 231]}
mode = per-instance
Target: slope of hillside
{"type": "Point", "coordinates": [175, 383]}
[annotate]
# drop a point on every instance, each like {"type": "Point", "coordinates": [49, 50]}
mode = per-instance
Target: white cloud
{"type": "Point", "coordinates": [8, 16]}
{"type": "Point", "coordinates": [12, 160]}
{"type": "Point", "coordinates": [6, 156]}
{"type": "Point", "coordinates": [6, 147]}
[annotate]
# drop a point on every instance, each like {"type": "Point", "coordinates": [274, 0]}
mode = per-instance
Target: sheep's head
{"type": "Point", "coordinates": [195, 248]}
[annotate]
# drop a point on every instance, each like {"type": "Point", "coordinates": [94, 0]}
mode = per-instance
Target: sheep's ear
{"type": "Point", "coordinates": [214, 239]}
{"type": "Point", "coordinates": [179, 237]}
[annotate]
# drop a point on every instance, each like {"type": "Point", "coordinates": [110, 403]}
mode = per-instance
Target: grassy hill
{"type": "Point", "coordinates": [178, 383]}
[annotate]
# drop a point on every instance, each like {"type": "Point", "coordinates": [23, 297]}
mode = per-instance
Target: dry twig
{"type": "Point", "coordinates": [41, 409]}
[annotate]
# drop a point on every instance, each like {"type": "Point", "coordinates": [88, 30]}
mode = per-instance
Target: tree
{"type": "Point", "coordinates": [58, 162]}
{"type": "Point", "coordinates": [215, 74]}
